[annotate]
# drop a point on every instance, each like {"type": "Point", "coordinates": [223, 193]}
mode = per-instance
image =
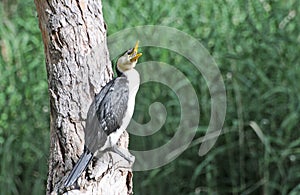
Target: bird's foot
{"type": "Point", "coordinates": [124, 153]}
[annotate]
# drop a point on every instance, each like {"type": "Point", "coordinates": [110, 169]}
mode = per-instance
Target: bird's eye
{"type": "Point", "coordinates": [129, 51]}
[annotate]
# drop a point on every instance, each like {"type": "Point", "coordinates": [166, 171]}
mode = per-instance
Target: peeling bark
{"type": "Point", "coordinates": [78, 65]}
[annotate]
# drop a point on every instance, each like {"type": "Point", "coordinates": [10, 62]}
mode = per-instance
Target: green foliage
{"type": "Point", "coordinates": [256, 46]}
{"type": "Point", "coordinates": [24, 116]}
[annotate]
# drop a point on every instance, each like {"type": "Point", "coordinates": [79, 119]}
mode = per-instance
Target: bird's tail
{"type": "Point", "coordinates": [80, 166]}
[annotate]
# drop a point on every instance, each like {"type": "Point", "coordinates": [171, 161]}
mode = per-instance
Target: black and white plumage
{"type": "Point", "coordinates": [110, 114]}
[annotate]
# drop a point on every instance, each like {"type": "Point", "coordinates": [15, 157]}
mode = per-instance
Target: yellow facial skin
{"type": "Point", "coordinates": [135, 55]}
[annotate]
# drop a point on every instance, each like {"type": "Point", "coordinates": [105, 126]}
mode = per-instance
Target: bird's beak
{"type": "Point", "coordinates": [135, 55]}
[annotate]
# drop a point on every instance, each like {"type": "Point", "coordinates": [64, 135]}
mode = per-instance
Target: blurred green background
{"type": "Point", "coordinates": [256, 46]}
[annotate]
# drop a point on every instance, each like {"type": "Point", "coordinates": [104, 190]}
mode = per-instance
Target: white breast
{"type": "Point", "coordinates": [133, 83]}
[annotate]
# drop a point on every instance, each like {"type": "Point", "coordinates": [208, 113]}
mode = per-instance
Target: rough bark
{"type": "Point", "coordinates": [78, 65]}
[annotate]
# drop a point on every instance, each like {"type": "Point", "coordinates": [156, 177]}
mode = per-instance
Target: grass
{"type": "Point", "coordinates": [255, 44]}
{"type": "Point", "coordinates": [260, 67]}
{"type": "Point", "coordinates": [24, 117]}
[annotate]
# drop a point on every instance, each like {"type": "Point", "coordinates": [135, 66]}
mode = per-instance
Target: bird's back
{"type": "Point", "coordinates": [106, 113]}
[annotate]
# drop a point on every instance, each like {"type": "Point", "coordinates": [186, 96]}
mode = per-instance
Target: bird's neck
{"type": "Point", "coordinates": [118, 71]}
{"type": "Point", "coordinates": [121, 68]}
{"type": "Point", "coordinates": [133, 78]}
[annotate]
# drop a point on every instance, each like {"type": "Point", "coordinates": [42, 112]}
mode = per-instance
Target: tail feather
{"type": "Point", "coordinates": [80, 166]}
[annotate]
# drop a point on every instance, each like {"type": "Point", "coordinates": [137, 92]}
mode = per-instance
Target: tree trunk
{"type": "Point", "coordinates": [78, 65]}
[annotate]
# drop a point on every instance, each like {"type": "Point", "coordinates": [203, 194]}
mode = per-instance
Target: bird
{"type": "Point", "coordinates": [110, 114]}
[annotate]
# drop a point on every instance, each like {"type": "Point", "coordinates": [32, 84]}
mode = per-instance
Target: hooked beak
{"type": "Point", "coordinates": [135, 55]}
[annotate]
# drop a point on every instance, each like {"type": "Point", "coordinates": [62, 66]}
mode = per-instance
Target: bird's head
{"type": "Point", "coordinates": [129, 59]}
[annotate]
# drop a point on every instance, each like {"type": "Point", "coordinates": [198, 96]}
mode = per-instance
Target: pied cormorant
{"type": "Point", "coordinates": [110, 114]}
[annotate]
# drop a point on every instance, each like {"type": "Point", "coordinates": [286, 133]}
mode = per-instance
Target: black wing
{"type": "Point", "coordinates": [111, 104]}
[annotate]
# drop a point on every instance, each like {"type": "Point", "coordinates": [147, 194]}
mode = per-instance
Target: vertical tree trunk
{"type": "Point", "coordinates": [78, 65]}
